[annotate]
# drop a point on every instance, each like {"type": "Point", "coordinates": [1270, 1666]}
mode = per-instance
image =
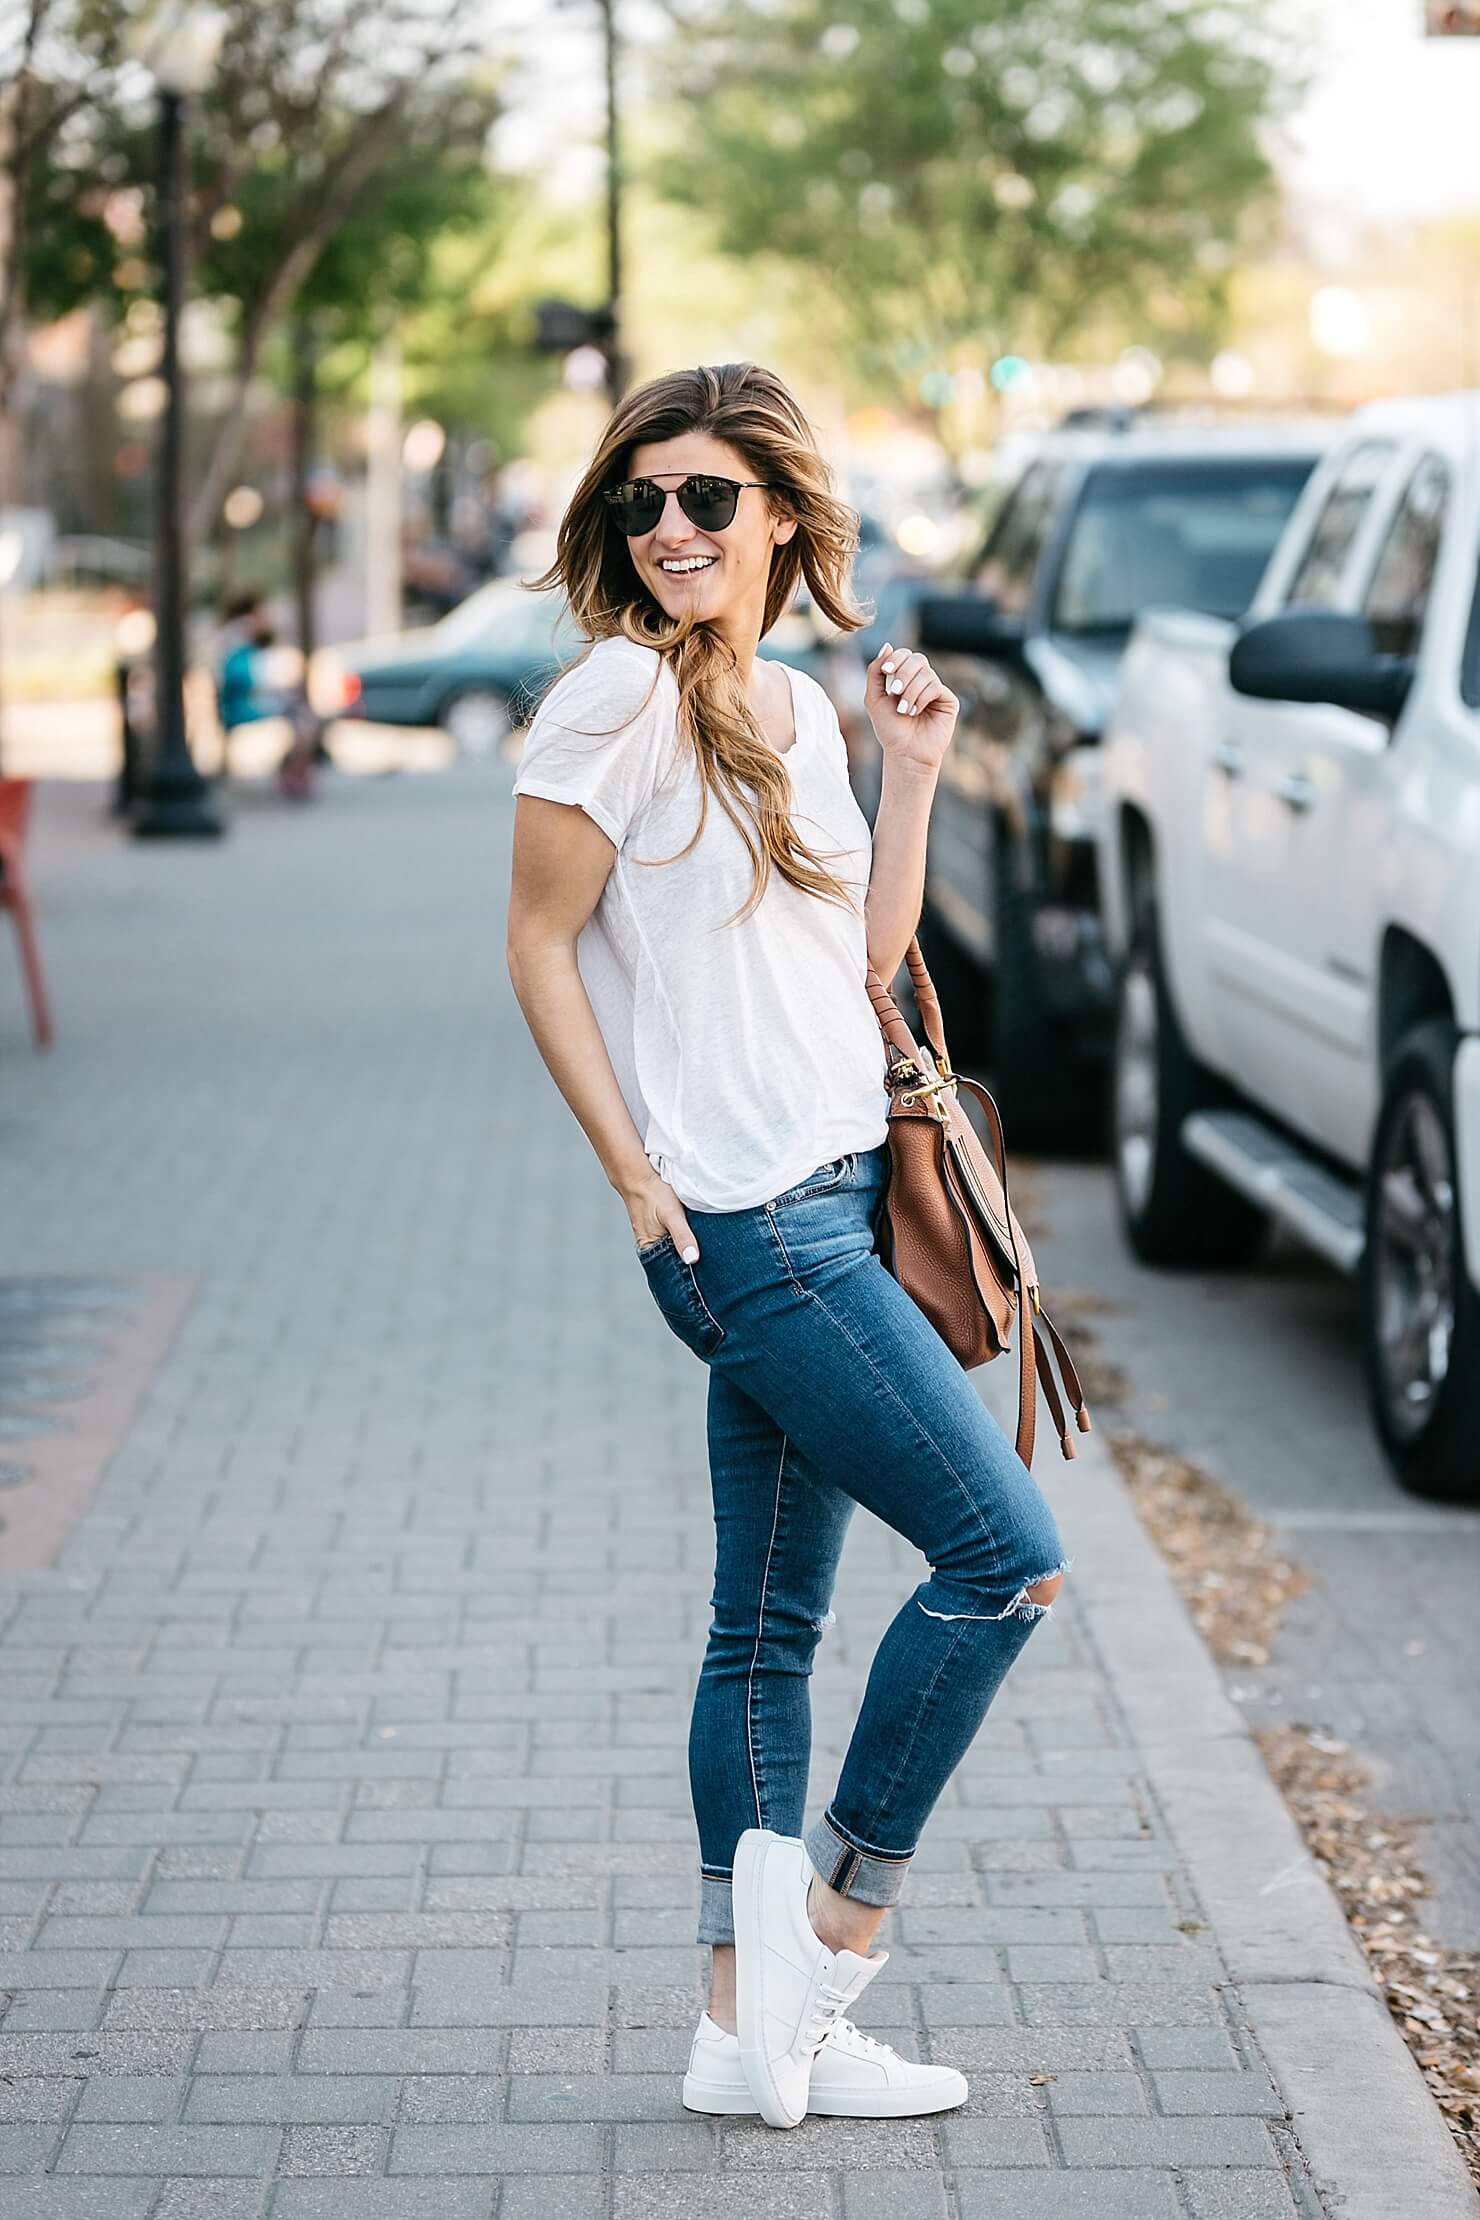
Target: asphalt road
{"type": "Point", "coordinates": [1257, 1377]}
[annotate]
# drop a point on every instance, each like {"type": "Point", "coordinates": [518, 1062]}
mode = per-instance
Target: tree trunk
{"type": "Point", "coordinates": [305, 524]}
{"type": "Point", "coordinates": [383, 490]}
{"type": "Point", "coordinates": [321, 219]}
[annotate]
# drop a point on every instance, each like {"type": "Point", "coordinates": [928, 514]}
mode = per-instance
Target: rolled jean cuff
{"type": "Point", "coordinates": [870, 1876]}
{"type": "Point", "coordinates": [716, 1909]}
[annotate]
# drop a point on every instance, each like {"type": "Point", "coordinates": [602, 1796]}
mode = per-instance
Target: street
{"type": "Point", "coordinates": [1256, 1377]}
{"type": "Point", "coordinates": [352, 1586]}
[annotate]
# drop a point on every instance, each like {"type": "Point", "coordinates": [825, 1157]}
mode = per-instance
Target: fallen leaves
{"type": "Point", "coordinates": [1233, 1579]}
{"type": "Point", "coordinates": [1369, 1860]}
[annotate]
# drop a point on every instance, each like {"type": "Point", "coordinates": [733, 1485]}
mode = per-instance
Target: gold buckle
{"type": "Point", "coordinates": [926, 1092]}
{"type": "Point", "coordinates": [1033, 1298]}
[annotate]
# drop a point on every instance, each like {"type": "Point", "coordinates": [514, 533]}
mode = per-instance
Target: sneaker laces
{"type": "Point", "coordinates": [845, 2035]}
{"type": "Point", "coordinates": [823, 2017]}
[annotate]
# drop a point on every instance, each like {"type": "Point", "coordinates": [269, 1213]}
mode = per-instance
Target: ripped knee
{"type": "Point", "coordinates": [1031, 1601]}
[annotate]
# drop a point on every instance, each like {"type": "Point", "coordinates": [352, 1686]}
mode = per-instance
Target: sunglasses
{"type": "Point", "coordinates": [636, 505]}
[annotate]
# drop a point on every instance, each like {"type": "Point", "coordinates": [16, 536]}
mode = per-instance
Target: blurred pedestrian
{"type": "Point", "coordinates": [246, 692]}
{"type": "Point", "coordinates": [693, 971]}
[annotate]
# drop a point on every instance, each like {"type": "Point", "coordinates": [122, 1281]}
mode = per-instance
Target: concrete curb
{"type": "Point", "coordinates": [1376, 2142]}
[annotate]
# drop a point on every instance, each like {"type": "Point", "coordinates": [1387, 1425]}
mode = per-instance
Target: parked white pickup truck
{"type": "Point", "coordinates": [1290, 884]}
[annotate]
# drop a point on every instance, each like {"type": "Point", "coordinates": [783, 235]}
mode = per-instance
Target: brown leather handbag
{"type": "Point", "coordinates": [948, 1233]}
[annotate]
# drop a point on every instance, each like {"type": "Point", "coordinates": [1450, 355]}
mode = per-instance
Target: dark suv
{"type": "Point", "coordinates": [1099, 527]}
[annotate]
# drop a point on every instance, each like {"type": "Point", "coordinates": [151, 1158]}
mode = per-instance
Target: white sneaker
{"type": "Point", "coordinates": [790, 1989]}
{"type": "Point", "coordinates": [853, 2075]}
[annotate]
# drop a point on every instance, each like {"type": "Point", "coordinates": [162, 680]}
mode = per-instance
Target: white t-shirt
{"type": "Point", "coordinates": [747, 1053]}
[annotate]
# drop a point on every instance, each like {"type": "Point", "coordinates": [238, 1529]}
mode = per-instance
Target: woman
{"type": "Point", "coordinates": [695, 897]}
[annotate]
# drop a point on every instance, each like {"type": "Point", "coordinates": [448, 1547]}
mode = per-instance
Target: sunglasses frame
{"type": "Point", "coordinates": [611, 495]}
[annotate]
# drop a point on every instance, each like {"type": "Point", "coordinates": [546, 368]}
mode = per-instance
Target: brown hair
{"type": "Point", "coordinates": [751, 410]}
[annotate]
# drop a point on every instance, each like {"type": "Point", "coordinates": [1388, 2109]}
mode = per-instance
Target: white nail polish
{"type": "Point", "coordinates": [691, 1255]}
{"type": "Point", "coordinates": [887, 669]}
{"type": "Point", "coordinates": [895, 686]}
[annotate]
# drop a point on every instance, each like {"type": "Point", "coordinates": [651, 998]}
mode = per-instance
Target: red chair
{"type": "Point", "coordinates": [15, 809]}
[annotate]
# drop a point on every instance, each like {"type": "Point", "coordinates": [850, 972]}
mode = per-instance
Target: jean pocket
{"type": "Point", "coordinates": [820, 1182]}
{"type": "Point", "coordinates": [675, 1289]}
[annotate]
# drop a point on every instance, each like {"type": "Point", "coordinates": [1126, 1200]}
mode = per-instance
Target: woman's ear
{"type": "Point", "coordinates": [783, 528]}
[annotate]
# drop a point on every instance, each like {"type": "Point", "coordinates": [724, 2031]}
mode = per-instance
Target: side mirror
{"type": "Point", "coordinates": [1320, 655]}
{"type": "Point", "coordinates": [966, 623]}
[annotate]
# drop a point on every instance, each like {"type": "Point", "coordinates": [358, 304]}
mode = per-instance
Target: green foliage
{"type": "Point", "coordinates": [62, 66]}
{"type": "Point", "coordinates": [1010, 173]}
{"type": "Point", "coordinates": [335, 142]}
{"type": "Point", "coordinates": [464, 326]}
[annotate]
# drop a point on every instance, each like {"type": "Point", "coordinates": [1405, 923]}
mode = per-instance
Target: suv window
{"type": "Point", "coordinates": [1196, 533]}
{"type": "Point", "coordinates": [1010, 557]}
{"type": "Point", "coordinates": [1317, 580]}
{"type": "Point", "coordinates": [1398, 596]}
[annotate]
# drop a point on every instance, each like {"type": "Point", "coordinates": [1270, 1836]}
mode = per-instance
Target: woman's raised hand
{"type": "Point", "coordinates": [912, 712]}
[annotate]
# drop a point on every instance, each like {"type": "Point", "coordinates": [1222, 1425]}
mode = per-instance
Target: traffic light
{"type": "Point", "coordinates": [561, 326]}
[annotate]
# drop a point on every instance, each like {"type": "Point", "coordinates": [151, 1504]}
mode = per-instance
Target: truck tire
{"type": "Point", "coordinates": [1420, 1311]}
{"type": "Point", "coordinates": [1174, 1210]}
{"type": "Point", "coordinates": [1049, 1099]}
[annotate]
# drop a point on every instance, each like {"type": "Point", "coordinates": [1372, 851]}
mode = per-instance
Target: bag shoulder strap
{"type": "Point", "coordinates": [886, 1009]}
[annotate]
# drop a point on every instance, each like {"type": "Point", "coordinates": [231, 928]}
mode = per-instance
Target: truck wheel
{"type": "Point", "coordinates": [1421, 1315]}
{"type": "Point", "coordinates": [1173, 1208]}
{"type": "Point", "coordinates": [1049, 1099]}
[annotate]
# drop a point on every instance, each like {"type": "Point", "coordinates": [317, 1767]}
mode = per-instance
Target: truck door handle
{"type": "Point", "coordinates": [1228, 757]}
{"type": "Point", "coordinates": [1296, 791]}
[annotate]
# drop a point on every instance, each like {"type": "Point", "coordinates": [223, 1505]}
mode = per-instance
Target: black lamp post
{"type": "Point", "coordinates": [601, 327]}
{"type": "Point", "coordinates": [616, 359]}
{"type": "Point", "coordinates": [179, 44]}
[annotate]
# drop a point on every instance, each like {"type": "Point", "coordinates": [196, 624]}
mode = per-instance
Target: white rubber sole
{"type": "Point", "coordinates": [706, 2096]}
{"type": "Point", "coordinates": [880, 2104]}
{"type": "Point", "coordinates": [747, 1890]}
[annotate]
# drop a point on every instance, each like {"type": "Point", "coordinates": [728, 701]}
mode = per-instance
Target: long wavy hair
{"type": "Point", "coordinates": [750, 409]}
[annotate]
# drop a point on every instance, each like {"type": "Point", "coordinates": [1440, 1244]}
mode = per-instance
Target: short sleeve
{"type": "Point", "coordinates": [599, 736]}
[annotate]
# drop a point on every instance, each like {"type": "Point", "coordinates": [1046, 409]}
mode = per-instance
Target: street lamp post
{"type": "Point", "coordinates": [179, 44]}
{"type": "Point", "coordinates": [603, 326]}
{"type": "Point", "coordinates": [616, 361]}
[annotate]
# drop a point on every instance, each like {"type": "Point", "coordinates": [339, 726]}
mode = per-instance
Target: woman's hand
{"type": "Point", "coordinates": [655, 1210]}
{"type": "Point", "coordinates": [912, 713]}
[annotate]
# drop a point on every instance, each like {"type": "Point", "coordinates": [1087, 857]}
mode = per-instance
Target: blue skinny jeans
{"type": "Point", "coordinates": [829, 1387]}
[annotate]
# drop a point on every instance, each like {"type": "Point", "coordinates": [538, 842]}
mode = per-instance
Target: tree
{"type": "Point", "coordinates": [1001, 172]}
{"type": "Point", "coordinates": [59, 63]}
{"type": "Point", "coordinates": [324, 117]}
{"type": "Point", "coordinates": [333, 124]}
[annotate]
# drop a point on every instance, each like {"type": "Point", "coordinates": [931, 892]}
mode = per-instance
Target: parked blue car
{"type": "Point", "coordinates": [480, 672]}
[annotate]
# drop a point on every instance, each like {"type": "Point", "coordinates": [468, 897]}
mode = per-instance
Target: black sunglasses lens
{"type": "Point", "coordinates": [709, 502]}
{"type": "Point", "coordinates": [635, 506]}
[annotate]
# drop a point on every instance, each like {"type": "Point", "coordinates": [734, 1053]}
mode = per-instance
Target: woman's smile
{"type": "Point", "coordinates": [686, 566]}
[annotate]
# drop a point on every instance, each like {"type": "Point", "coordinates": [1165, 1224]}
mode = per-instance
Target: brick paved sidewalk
{"type": "Point", "coordinates": [347, 1870]}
